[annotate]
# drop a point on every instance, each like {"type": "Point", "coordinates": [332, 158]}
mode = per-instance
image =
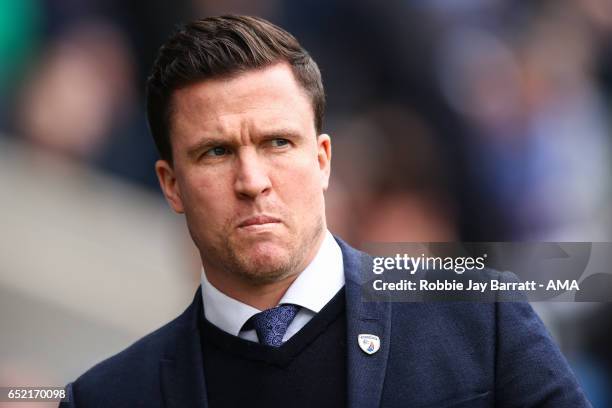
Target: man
{"type": "Point", "coordinates": [235, 106]}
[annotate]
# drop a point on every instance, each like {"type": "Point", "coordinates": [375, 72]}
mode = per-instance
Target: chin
{"type": "Point", "coordinates": [267, 263]}
{"type": "Point", "coordinates": [267, 255]}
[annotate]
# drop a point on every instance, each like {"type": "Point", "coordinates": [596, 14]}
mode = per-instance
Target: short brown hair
{"type": "Point", "coordinates": [223, 46]}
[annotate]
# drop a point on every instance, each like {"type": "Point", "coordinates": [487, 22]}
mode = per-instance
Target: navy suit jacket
{"type": "Point", "coordinates": [436, 354]}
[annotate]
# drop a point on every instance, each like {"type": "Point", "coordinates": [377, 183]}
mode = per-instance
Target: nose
{"type": "Point", "coordinates": [252, 178]}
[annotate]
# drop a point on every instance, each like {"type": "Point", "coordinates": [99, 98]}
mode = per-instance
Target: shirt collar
{"type": "Point", "coordinates": [321, 279]}
{"type": "Point", "coordinates": [225, 312]}
{"type": "Point", "coordinates": [312, 289]}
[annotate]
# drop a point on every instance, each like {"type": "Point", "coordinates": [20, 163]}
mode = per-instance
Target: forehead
{"type": "Point", "coordinates": [257, 98]}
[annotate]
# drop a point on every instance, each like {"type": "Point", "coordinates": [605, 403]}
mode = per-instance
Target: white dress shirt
{"type": "Point", "coordinates": [311, 290]}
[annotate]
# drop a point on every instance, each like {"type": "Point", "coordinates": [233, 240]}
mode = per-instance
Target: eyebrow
{"type": "Point", "coordinates": [209, 142]}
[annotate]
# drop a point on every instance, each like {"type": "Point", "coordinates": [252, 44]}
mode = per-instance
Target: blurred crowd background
{"type": "Point", "coordinates": [472, 120]}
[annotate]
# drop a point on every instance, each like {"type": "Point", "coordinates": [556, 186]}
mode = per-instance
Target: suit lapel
{"type": "Point", "coordinates": [366, 373]}
{"type": "Point", "coordinates": [182, 370]}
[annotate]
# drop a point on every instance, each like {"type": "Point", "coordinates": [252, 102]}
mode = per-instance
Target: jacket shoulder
{"type": "Point", "coordinates": [131, 377]}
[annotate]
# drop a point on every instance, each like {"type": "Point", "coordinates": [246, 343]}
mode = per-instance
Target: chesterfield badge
{"type": "Point", "coordinates": [369, 343]}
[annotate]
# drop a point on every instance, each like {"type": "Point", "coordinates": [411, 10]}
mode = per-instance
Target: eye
{"type": "Point", "coordinates": [279, 142]}
{"type": "Point", "coordinates": [216, 151]}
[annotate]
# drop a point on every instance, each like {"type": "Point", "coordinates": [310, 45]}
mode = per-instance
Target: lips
{"type": "Point", "coordinates": [258, 220]}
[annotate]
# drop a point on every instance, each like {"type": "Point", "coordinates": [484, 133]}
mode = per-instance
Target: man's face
{"type": "Point", "coordinates": [249, 173]}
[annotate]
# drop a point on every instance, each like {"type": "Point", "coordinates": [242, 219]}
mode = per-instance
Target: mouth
{"type": "Point", "coordinates": [258, 220]}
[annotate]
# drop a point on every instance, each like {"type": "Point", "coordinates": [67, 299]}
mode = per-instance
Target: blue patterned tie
{"type": "Point", "coordinates": [272, 324]}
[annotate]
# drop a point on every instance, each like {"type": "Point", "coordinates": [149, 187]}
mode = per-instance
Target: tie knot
{"type": "Point", "coordinates": [272, 324]}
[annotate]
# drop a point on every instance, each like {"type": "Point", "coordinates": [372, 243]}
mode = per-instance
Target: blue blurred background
{"type": "Point", "coordinates": [473, 120]}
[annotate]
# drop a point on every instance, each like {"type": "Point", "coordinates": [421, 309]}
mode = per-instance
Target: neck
{"type": "Point", "coordinates": [260, 296]}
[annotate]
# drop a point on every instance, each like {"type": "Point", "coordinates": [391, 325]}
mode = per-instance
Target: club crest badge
{"type": "Point", "coordinates": [369, 343]}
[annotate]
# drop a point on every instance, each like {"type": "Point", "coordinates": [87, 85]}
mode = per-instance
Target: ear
{"type": "Point", "coordinates": [169, 185]}
{"type": "Point", "coordinates": [324, 158]}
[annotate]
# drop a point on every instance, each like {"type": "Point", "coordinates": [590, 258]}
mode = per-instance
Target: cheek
{"type": "Point", "coordinates": [303, 190]}
{"type": "Point", "coordinates": [206, 203]}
